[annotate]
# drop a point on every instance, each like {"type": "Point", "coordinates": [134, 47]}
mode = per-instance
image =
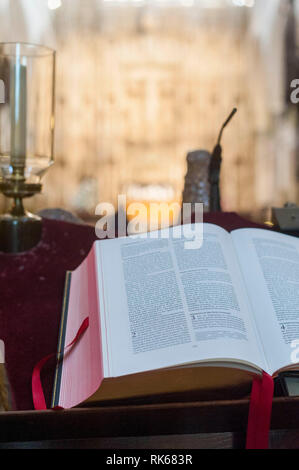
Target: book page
{"type": "Point", "coordinates": [165, 305]}
{"type": "Point", "coordinates": [270, 265]}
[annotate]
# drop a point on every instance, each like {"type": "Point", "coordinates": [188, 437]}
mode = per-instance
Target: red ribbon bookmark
{"type": "Point", "coordinates": [259, 419]}
{"type": "Point", "coordinates": [37, 388]}
{"type": "Point", "coordinates": [260, 408]}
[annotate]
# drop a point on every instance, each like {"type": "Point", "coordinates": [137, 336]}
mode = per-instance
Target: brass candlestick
{"type": "Point", "coordinates": [26, 137]}
{"type": "Point", "coordinates": [19, 230]}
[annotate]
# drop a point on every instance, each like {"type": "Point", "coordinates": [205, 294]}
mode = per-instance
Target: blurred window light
{"type": "Point", "coordinates": [187, 3]}
{"type": "Point", "coordinates": [54, 4]}
{"type": "Point", "coordinates": [183, 3]}
{"type": "Point", "coordinates": [244, 3]}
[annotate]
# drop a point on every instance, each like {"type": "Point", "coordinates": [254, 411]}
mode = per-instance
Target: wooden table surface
{"type": "Point", "coordinates": [194, 425]}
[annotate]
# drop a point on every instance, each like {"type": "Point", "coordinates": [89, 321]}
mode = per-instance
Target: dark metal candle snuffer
{"type": "Point", "coordinates": [202, 181]}
{"type": "Point", "coordinates": [215, 167]}
{"type": "Point", "coordinates": [26, 137]}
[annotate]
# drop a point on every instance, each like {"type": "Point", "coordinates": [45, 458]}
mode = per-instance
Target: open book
{"type": "Point", "coordinates": [158, 312]}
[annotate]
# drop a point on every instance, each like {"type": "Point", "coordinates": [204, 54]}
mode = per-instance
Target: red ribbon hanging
{"type": "Point", "coordinates": [38, 396]}
{"type": "Point", "coordinates": [260, 409]}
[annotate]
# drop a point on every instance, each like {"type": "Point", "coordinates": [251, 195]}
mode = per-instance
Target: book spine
{"type": "Point", "coordinates": [61, 341]}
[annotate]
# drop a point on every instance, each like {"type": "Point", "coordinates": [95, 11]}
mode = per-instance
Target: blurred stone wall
{"type": "Point", "coordinates": [139, 87]}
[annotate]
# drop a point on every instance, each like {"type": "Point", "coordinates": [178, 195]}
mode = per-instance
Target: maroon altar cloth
{"type": "Point", "coordinates": [31, 293]}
